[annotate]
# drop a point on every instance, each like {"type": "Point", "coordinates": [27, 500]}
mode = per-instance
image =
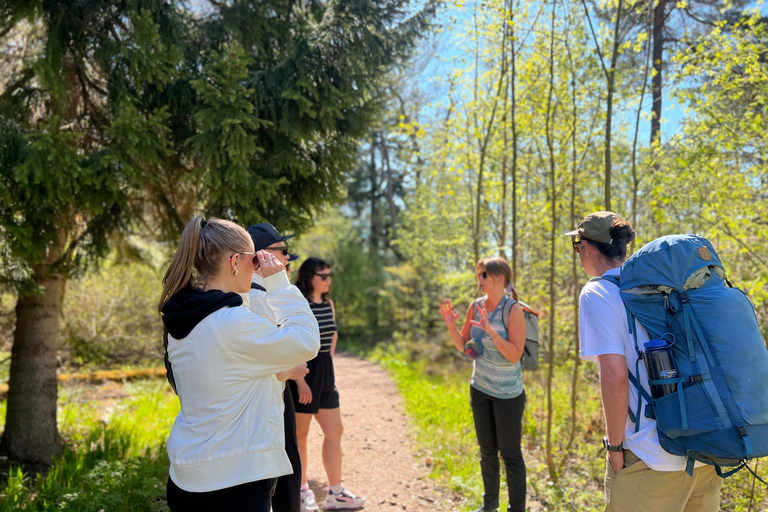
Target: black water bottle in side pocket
{"type": "Point", "coordinates": [660, 365]}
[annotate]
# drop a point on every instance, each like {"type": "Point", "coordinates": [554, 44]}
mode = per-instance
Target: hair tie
{"type": "Point", "coordinates": [203, 224]}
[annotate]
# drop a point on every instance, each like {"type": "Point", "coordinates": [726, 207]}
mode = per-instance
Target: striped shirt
{"type": "Point", "coordinates": [327, 324]}
{"type": "Point", "coordinates": [494, 374]}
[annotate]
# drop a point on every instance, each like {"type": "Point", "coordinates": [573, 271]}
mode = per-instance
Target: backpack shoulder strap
{"type": "Point", "coordinates": [634, 379]}
{"type": "Point", "coordinates": [508, 303]}
{"type": "Point", "coordinates": [611, 279]}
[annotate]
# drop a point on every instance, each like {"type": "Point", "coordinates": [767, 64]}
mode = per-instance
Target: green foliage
{"type": "Point", "coordinates": [7, 320]}
{"type": "Point", "coordinates": [70, 109]}
{"type": "Point", "coordinates": [715, 169]}
{"type": "Point", "coordinates": [437, 401]}
{"type": "Point", "coordinates": [315, 73]}
{"type": "Point", "coordinates": [225, 118]}
{"type": "Point", "coordinates": [363, 312]}
{"type": "Point", "coordinates": [137, 115]}
{"type": "Point", "coordinates": [114, 461]}
{"type": "Point", "coordinates": [254, 111]}
{"type": "Point", "coordinates": [110, 317]}
{"type": "Point", "coordinates": [436, 398]}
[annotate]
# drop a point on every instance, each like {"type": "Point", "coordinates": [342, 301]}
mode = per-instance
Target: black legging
{"type": "Point", "coordinates": [499, 423]}
{"type": "Point", "coordinates": [250, 497]}
{"type": "Point", "coordinates": [287, 497]}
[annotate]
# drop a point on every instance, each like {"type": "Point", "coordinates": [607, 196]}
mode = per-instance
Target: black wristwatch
{"type": "Point", "coordinates": [610, 448]}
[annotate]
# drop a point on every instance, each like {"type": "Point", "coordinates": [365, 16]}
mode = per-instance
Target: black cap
{"type": "Point", "coordinates": [264, 235]}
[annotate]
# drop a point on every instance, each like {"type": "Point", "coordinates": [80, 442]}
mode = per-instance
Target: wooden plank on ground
{"type": "Point", "coordinates": [98, 376]}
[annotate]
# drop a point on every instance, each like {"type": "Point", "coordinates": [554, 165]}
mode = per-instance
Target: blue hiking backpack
{"type": "Point", "coordinates": [719, 412]}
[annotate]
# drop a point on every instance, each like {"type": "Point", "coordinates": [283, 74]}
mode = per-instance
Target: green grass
{"type": "Point", "coordinates": [115, 448]}
{"type": "Point", "coordinates": [436, 397]}
{"type": "Point", "coordinates": [114, 459]}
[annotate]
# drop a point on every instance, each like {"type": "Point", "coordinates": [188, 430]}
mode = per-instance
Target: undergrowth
{"type": "Point", "coordinates": [114, 458]}
{"type": "Point", "coordinates": [436, 397]}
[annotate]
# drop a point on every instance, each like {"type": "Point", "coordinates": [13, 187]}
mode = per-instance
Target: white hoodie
{"type": "Point", "coordinates": [230, 427]}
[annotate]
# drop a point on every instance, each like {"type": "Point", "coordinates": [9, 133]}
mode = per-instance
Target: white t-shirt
{"type": "Point", "coordinates": [604, 330]}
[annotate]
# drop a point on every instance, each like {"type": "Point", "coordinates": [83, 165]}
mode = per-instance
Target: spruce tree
{"type": "Point", "coordinates": [115, 112]}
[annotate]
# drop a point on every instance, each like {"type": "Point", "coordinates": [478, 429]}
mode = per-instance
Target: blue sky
{"type": "Point", "coordinates": [446, 54]}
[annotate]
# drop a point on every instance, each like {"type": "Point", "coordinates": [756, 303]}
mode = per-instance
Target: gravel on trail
{"type": "Point", "coordinates": [378, 461]}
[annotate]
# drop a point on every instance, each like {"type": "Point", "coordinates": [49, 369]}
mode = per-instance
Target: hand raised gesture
{"type": "Point", "coordinates": [268, 264]}
{"type": "Point", "coordinates": [446, 311]}
{"type": "Point", "coordinates": [483, 323]}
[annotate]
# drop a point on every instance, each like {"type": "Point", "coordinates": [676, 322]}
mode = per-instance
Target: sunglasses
{"type": "Point", "coordinates": [256, 264]}
{"type": "Point", "coordinates": [283, 248]}
{"type": "Point", "coordinates": [577, 244]}
{"type": "Point", "coordinates": [324, 277]}
{"type": "Point", "coordinates": [483, 274]}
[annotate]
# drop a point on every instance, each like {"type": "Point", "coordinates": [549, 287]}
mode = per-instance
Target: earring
{"type": "Point", "coordinates": [235, 272]}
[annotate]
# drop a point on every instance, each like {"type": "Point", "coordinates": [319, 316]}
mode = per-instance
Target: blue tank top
{"type": "Point", "coordinates": [492, 373]}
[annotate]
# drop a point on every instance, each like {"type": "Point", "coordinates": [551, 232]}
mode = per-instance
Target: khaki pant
{"type": "Point", "coordinates": [638, 488]}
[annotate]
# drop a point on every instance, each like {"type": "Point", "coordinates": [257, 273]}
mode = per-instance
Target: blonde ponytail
{"type": "Point", "coordinates": [179, 273]}
{"type": "Point", "coordinates": [200, 253]}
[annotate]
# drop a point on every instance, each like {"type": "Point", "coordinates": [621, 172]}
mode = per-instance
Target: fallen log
{"type": "Point", "coordinates": [102, 375]}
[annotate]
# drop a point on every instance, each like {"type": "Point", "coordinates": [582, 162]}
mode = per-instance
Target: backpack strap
{"type": "Point", "coordinates": [480, 302]}
{"type": "Point", "coordinates": [634, 379]}
{"type": "Point", "coordinates": [508, 303]}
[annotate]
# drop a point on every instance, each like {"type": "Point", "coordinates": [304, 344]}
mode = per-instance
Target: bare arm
{"type": "Point", "coordinates": [614, 388]}
{"type": "Point", "coordinates": [513, 348]}
{"type": "Point", "coordinates": [459, 338]}
{"type": "Point", "coordinates": [294, 373]}
{"type": "Point", "coordinates": [336, 334]}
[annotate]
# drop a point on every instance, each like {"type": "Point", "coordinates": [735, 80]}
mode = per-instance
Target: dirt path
{"type": "Point", "coordinates": [378, 461]}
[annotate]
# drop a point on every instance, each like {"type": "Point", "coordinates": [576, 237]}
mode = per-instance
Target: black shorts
{"type": "Point", "coordinates": [322, 381]}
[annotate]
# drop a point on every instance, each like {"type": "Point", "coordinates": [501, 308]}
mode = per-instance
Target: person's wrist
{"type": "Point", "coordinates": [613, 448]}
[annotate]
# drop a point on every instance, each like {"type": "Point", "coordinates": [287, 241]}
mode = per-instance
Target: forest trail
{"type": "Point", "coordinates": [378, 462]}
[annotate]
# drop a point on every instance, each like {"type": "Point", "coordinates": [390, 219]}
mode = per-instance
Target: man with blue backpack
{"type": "Point", "coordinates": [640, 474]}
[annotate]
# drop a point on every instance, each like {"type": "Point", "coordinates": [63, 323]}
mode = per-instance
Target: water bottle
{"type": "Point", "coordinates": [660, 365]}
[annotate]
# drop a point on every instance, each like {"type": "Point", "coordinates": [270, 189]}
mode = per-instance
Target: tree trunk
{"type": "Point", "coordinates": [574, 266]}
{"type": "Point", "coordinates": [374, 237]}
{"type": "Point", "coordinates": [658, 55]}
{"type": "Point", "coordinates": [611, 78]}
{"type": "Point", "coordinates": [513, 115]}
{"type": "Point", "coordinates": [550, 122]}
{"type": "Point", "coordinates": [635, 177]}
{"type": "Point", "coordinates": [503, 220]}
{"type": "Point", "coordinates": [390, 190]}
{"type": "Point", "coordinates": [31, 434]}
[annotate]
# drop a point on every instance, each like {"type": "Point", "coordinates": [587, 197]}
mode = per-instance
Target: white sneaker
{"type": "Point", "coordinates": [344, 499]}
{"type": "Point", "coordinates": [308, 502]}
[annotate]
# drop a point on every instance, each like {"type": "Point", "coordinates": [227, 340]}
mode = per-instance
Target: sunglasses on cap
{"type": "Point", "coordinates": [324, 277]}
{"type": "Point", "coordinates": [283, 248]}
